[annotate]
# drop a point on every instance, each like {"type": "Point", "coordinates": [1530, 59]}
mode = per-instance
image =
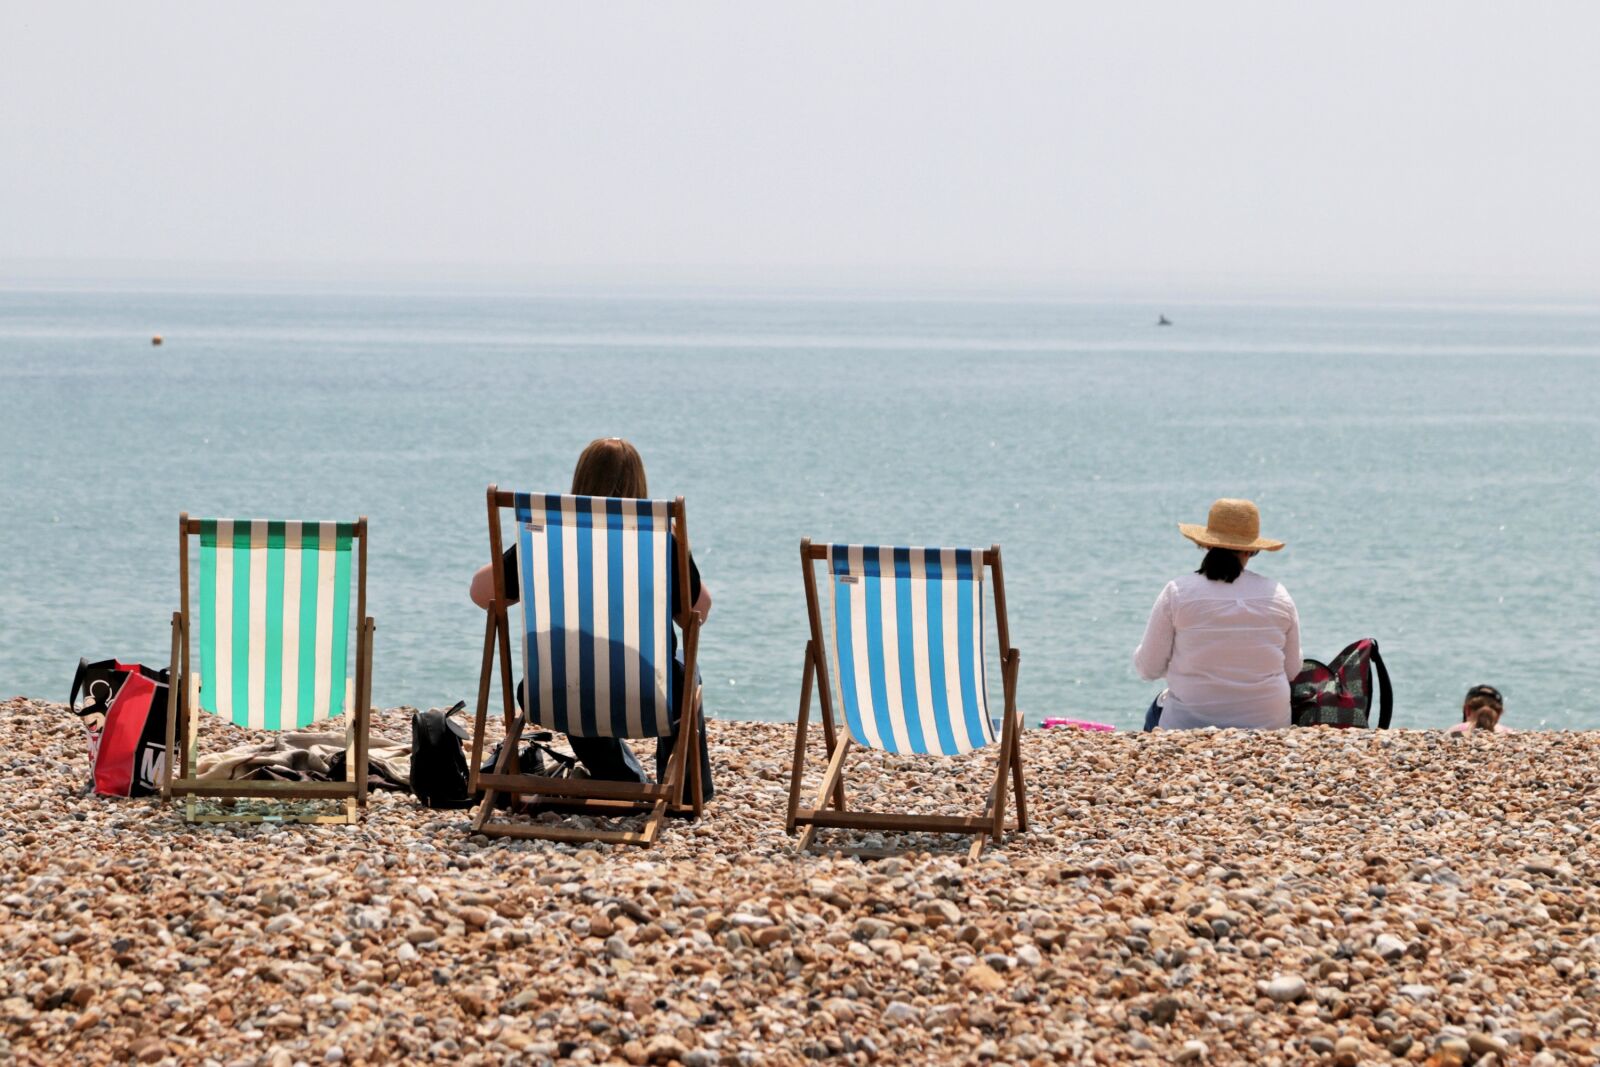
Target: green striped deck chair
{"type": "Point", "coordinates": [907, 669]}
{"type": "Point", "coordinates": [271, 616]}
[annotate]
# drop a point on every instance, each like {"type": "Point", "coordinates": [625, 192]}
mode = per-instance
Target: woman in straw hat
{"type": "Point", "coordinates": [1226, 639]}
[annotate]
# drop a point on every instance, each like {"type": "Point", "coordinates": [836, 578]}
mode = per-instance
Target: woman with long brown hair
{"type": "Point", "coordinates": [611, 467]}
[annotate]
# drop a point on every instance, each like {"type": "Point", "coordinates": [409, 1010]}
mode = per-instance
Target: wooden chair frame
{"type": "Point", "coordinates": [829, 807]}
{"type": "Point", "coordinates": [582, 796]}
{"type": "Point", "coordinates": [183, 718]}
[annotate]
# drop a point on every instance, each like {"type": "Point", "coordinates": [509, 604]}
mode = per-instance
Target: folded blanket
{"type": "Point", "coordinates": [309, 757]}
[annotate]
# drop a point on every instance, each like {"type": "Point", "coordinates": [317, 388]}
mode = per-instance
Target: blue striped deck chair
{"type": "Point", "coordinates": [601, 581]}
{"type": "Point", "coordinates": [907, 668]}
{"type": "Point", "coordinates": [272, 619]}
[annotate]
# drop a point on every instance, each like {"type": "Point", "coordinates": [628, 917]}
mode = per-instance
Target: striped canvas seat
{"type": "Point", "coordinates": [908, 647]}
{"type": "Point", "coordinates": [274, 621]}
{"type": "Point", "coordinates": [596, 614]}
{"type": "Point", "coordinates": [907, 676]}
{"type": "Point", "coordinates": [272, 606]}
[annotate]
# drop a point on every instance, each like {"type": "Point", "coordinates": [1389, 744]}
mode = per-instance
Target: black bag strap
{"type": "Point", "coordinates": [1385, 692]}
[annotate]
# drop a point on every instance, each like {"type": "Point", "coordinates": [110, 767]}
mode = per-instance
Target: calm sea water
{"type": "Point", "coordinates": [1432, 468]}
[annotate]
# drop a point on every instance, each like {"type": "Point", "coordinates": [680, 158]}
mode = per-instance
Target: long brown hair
{"type": "Point", "coordinates": [610, 466]}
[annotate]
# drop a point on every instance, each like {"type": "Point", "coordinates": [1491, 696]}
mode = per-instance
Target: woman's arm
{"type": "Point", "coordinates": [701, 605]}
{"type": "Point", "coordinates": [482, 590]}
{"type": "Point", "coordinates": [1150, 659]}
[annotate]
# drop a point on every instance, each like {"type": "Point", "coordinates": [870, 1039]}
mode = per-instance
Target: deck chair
{"type": "Point", "coordinates": [908, 669]}
{"type": "Point", "coordinates": [594, 623]}
{"type": "Point", "coordinates": [273, 631]}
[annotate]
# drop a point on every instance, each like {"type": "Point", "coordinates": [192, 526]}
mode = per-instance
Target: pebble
{"type": "Point", "coordinates": [1286, 988]}
{"type": "Point", "coordinates": [1390, 947]}
{"type": "Point", "coordinates": [1206, 897]}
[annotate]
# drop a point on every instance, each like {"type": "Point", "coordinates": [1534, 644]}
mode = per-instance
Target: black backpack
{"type": "Point", "coordinates": [439, 764]}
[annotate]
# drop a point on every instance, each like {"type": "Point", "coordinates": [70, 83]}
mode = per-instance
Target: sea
{"type": "Point", "coordinates": [1431, 464]}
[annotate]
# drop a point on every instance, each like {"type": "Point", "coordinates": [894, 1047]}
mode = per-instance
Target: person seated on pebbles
{"type": "Point", "coordinates": [1481, 710]}
{"type": "Point", "coordinates": [1226, 639]}
{"type": "Point", "coordinates": [611, 467]}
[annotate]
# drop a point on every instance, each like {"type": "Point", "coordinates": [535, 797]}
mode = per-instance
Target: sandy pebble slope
{"type": "Point", "coordinates": [1302, 897]}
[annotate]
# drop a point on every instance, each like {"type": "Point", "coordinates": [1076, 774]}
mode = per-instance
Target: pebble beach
{"type": "Point", "coordinates": [1306, 896]}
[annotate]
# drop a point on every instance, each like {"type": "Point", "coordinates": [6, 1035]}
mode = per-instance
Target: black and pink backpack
{"type": "Point", "coordinates": [1340, 693]}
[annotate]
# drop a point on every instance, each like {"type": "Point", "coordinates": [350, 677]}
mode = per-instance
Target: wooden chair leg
{"type": "Point", "coordinates": [797, 768]}
{"type": "Point", "coordinates": [830, 782]}
{"type": "Point", "coordinates": [363, 712]}
{"type": "Point", "coordinates": [480, 717]}
{"type": "Point", "coordinates": [696, 772]}
{"type": "Point", "coordinates": [508, 752]}
{"type": "Point", "coordinates": [174, 709]}
{"type": "Point", "coordinates": [191, 729]}
{"type": "Point", "coordinates": [1017, 783]}
{"type": "Point", "coordinates": [978, 843]}
{"type": "Point", "coordinates": [652, 824]}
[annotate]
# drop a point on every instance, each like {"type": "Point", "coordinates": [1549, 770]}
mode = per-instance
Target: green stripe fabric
{"type": "Point", "coordinates": [274, 620]}
{"type": "Point", "coordinates": [208, 625]}
{"type": "Point", "coordinates": [310, 535]}
{"type": "Point", "coordinates": [272, 696]}
{"type": "Point", "coordinates": [241, 622]}
{"type": "Point", "coordinates": [341, 620]}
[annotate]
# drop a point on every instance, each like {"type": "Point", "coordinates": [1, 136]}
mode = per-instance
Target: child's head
{"type": "Point", "coordinates": [610, 467]}
{"type": "Point", "coordinates": [1483, 707]}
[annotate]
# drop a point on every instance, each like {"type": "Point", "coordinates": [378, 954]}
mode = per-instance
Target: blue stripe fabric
{"type": "Point", "coordinates": [596, 620]}
{"type": "Point", "coordinates": [655, 613]}
{"type": "Point", "coordinates": [530, 615]}
{"type": "Point", "coordinates": [936, 663]}
{"type": "Point", "coordinates": [616, 612]}
{"type": "Point", "coordinates": [877, 682]}
{"type": "Point", "coordinates": [552, 697]}
{"type": "Point", "coordinates": [971, 665]}
{"type": "Point", "coordinates": [845, 655]}
{"type": "Point", "coordinates": [582, 527]}
{"type": "Point", "coordinates": [908, 647]}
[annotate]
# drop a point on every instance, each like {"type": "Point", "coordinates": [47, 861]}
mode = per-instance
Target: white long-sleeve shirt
{"type": "Point", "coordinates": [1226, 649]}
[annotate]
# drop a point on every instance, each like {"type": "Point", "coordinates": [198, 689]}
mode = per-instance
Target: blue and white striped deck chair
{"type": "Point", "coordinates": [274, 615]}
{"type": "Point", "coordinates": [601, 581]}
{"type": "Point", "coordinates": [906, 646]}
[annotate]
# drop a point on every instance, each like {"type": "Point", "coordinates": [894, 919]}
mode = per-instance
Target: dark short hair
{"type": "Point", "coordinates": [1221, 565]}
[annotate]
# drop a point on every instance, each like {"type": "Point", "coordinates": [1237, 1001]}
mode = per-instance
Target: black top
{"type": "Point", "coordinates": [511, 591]}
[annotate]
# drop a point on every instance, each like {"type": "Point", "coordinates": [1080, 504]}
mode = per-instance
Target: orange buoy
{"type": "Point", "coordinates": [156, 340]}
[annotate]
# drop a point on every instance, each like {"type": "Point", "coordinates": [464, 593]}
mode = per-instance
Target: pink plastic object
{"type": "Point", "coordinates": [1082, 724]}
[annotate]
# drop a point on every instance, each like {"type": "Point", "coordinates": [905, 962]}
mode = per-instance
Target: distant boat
{"type": "Point", "coordinates": [1162, 320]}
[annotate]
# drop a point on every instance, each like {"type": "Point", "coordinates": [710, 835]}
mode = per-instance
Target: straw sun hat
{"type": "Point", "coordinates": [1234, 524]}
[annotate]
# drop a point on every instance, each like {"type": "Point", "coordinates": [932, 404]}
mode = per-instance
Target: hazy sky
{"type": "Point", "coordinates": [1325, 140]}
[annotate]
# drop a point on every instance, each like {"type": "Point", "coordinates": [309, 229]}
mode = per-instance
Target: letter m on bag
{"type": "Point", "coordinates": [152, 761]}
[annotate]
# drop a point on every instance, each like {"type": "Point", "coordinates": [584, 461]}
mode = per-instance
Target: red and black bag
{"type": "Point", "coordinates": [125, 712]}
{"type": "Point", "coordinates": [1340, 693]}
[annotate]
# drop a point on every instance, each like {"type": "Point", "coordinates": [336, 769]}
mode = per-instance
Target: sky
{"type": "Point", "coordinates": [1354, 142]}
